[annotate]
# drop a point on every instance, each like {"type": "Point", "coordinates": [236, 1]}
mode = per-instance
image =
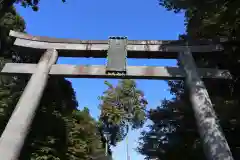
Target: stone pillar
{"type": "Point", "coordinates": [214, 142]}
{"type": "Point", "coordinates": [13, 137]}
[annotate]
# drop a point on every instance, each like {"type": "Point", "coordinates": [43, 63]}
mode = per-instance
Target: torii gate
{"type": "Point", "coordinates": [116, 49]}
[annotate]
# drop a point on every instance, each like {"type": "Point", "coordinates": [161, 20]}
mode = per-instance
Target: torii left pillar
{"type": "Point", "coordinates": [14, 135]}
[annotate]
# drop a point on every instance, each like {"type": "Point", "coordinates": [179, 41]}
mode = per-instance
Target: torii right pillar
{"type": "Point", "coordinates": [214, 142]}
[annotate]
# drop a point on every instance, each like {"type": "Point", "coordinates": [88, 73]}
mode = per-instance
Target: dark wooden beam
{"type": "Point", "coordinates": [133, 72]}
{"type": "Point", "coordinates": [98, 48]}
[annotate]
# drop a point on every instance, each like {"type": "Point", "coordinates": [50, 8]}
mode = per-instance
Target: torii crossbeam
{"type": "Point", "coordinates": [116, 50]}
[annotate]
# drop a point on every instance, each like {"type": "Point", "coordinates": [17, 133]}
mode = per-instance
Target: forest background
{"type": "Point", "coordinates": [70, 132]}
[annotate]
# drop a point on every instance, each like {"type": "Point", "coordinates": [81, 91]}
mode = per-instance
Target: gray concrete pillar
{"type": "Point", "coordinates": [214, 142]}
{"type": "Point", "coordinates": [13, 137]}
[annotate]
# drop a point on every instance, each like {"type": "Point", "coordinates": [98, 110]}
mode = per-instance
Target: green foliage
{"type": "Point", "coordinates": [59, 131]}
{"type": "Point", "coordinates": [67, 133]}
{"type": "Point", "coordinates": [31, 3]}
{"type": "Point", "coordinates": [122, 106]}
{"type": "Point", "coordinates": [6, 5]}
{"type": "Point", "coordinates": [9, 88]}
{"type": "Point", "coordinates": [204, 20]}
{"type": "Point", "coordinates": [11, 20]}
{"type": "Point", "coordinates": [173, 134]}
{"type": "Point", "coordinates": [208, 19]}
{"type": "Point", "coordinates": [85, 139]}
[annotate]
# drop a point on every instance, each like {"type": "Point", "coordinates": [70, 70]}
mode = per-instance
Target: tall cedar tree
{"type": "Point", "coordinates": [122, 106]}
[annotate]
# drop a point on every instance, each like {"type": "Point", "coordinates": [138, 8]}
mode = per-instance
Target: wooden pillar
{"type": "Point", "coordinates": [214, 142]}
{"type": "Point", "coordinates": [13, 137]}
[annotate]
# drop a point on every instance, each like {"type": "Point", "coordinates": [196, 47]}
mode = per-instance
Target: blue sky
{"type": "Point", "coordinates": [97, 20]}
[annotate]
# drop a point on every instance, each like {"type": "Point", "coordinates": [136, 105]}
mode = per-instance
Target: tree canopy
{"type": "Point", "coordinates": [5, 5]}
{"type": "Point", "coordinates": [70, 133]}
{"type": "Point", "coordinates": [122, 107]}
{"type": "Point", "coordinates": [174, 130]}
{"type": "Point", "coordinates": [59, 130]}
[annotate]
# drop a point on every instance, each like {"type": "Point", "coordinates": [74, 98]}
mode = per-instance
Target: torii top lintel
{"type": "Point", "coordinates": [97, 48]}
